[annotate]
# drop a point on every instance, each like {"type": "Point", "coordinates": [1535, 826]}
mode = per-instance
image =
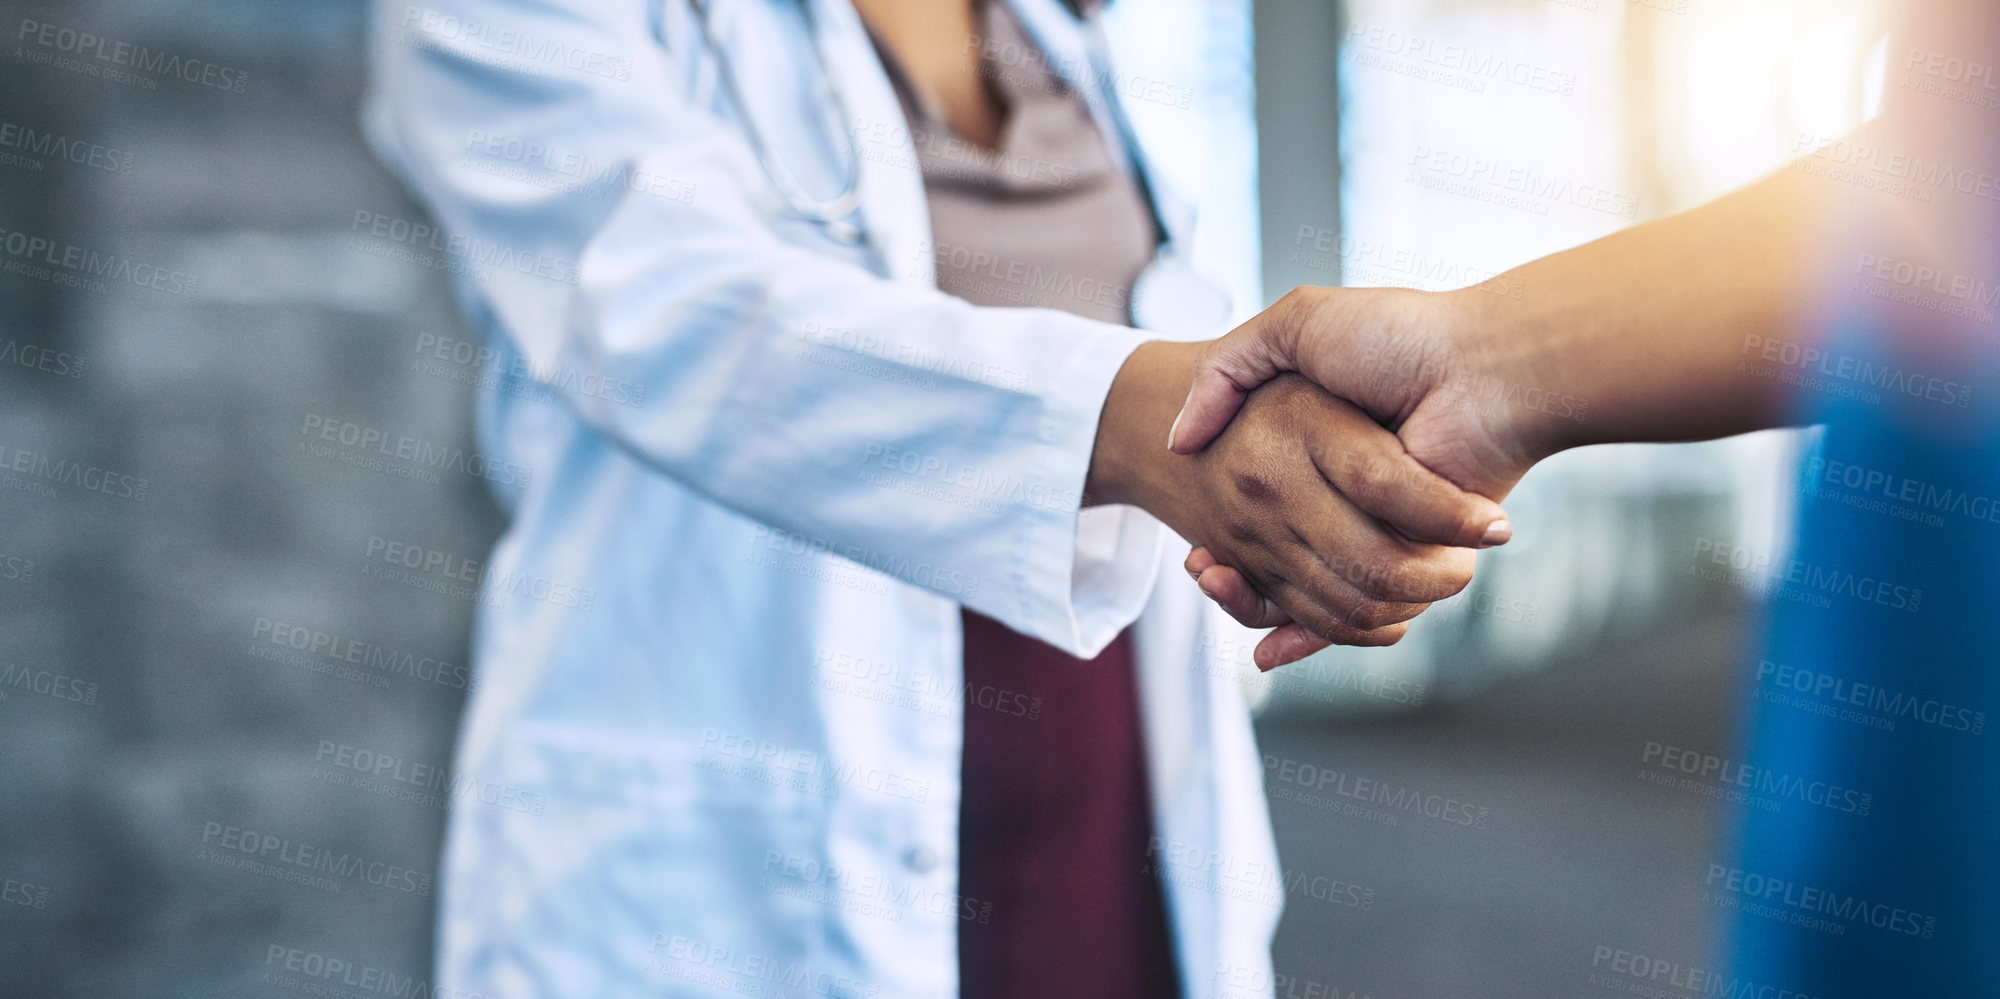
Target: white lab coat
{"type": "Point", "coordinates": [718, 651]}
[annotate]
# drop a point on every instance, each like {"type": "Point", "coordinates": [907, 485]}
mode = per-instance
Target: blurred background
{"type": "Point", "coordinates": [192, 649]}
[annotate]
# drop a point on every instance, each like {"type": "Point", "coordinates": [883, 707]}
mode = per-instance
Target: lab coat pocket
{"type": "Point", "coordinates": [642, 864]}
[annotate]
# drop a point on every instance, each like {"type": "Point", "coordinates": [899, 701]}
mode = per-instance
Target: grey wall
{"type": "Point", "coordinates": [1298, 134]}
{"type": "Point", "coordinates": [115, 807]}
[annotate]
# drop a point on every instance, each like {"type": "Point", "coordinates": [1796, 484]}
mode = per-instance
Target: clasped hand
{"type": "Point", "coordinates": [1334, 517]}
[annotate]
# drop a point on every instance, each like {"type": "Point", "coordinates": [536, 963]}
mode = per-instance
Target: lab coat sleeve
{"type": "Point", "coordinates": [881, 420]}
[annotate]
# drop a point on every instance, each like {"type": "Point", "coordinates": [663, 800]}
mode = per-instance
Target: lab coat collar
{"type": "Point", "coordinates": [1066, 38]}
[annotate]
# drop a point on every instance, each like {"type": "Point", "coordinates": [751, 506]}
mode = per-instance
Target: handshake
{"type": "Point", "coordinates": [1338, 458]}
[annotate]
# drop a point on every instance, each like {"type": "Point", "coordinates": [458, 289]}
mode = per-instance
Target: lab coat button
{"type": "Point", "coordinates": [921, 859]}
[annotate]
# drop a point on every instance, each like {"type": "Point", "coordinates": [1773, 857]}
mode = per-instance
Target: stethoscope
{"type": "Point", "coordinates": [1170, 296]}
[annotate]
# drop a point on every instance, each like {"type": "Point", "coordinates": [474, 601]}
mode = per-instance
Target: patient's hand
{"type": "Point", "coordinates": [1295, 468]}
{"type": "Point", "coordinates": [1477, 408]}
{"type": "Point", "coordinates": [1328, 521]}
{"type": "Point", "coordinates": [1416, 361]}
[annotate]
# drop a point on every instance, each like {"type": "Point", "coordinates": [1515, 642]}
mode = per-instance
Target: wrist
{"type": "Point", "coordinates": [1129, 462]}
{"type": "Point", "coordinates": [1510, 359]}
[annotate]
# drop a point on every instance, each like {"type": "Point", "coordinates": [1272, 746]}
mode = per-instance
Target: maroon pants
{"type": "Point", "coordinates": [1053, 826]}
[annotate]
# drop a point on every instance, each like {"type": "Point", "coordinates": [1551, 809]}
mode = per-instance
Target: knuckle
{"type": "Point", "coordinates": [1370, 638]}
{"type": "Point", "coordinates": [1391, 581]}
{"type": "Point", "coordinates": [1453, 571]}
{"type": "Point", "coordinates": [1255, 484]}
{"type": "Point", "coordinates": [1241, 601]}
{"type": "Point", "coordinates": [1372, 614]}
{"type": "Point", "coordinates": [1387, 578]}
{"type": "Point", "coordinates": [1382, 638]}
{"type": "Point", "coordinates": [1296, 303]}
{"type": "Point", "coordinates": [1372, 470]}
{"type": "Point", "coordinates": [1367, 571]}
{"type": "Point", "coordinates": [1431, 575]}
{"type": "Point", "coordinates": [1326, 626]}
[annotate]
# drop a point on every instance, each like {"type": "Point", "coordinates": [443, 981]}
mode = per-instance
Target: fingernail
{"type": "Point", "coordinates": [1497, 533]}
{"type": "Point", "coordinates": [1209, 593]}
{"type": "Point", "coordinates": [1174, 431]}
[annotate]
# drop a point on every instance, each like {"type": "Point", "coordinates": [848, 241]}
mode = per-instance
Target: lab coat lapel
{"type": "Point", "coordinates": [1066, 41]}
{"type": "Point", "coordinates": [893, 209]}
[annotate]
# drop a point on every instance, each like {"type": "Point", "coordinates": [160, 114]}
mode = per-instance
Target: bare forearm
{"type": "Point", "coordinates": [1645, 330]}
{"type": "Point", "coordinates": [1127, 464]}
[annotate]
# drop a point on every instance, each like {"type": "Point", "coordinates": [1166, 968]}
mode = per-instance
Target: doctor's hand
{"type": "Point", "coordinates": [1411, 360]}
{"type": "Point", "coordinates": [1315, 505]}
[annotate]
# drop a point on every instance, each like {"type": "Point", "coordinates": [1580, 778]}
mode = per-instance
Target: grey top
{"type": "Point", "coordinates": [1048, 218]}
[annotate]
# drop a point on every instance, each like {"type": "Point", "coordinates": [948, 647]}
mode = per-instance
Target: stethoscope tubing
{"type": "Point", "coordinates": [800, 202]}
{"type": "Point", "coordinates": [841, 207]}
{"type": "Point", "coordinates": [836, 216]}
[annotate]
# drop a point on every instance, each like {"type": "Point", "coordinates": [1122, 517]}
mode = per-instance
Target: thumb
{"type": "Point", "coordinates": [1225, 371]}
